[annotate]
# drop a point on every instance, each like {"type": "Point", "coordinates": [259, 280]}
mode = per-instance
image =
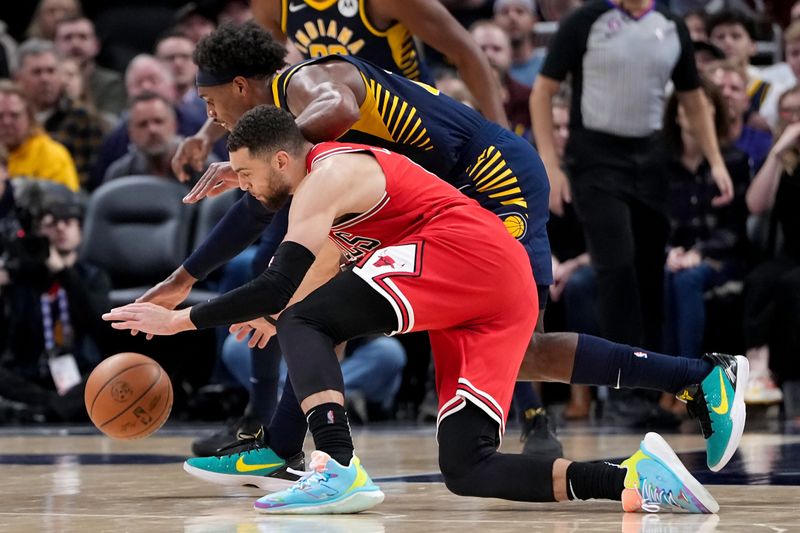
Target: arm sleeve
{"type": "Point", "coordinates": [567, 47]}
{"type": "Point", "coordinates": [267, 294]}
{"type": "Point", "coordinates": [685, 75]}
{"type": "Point", "coordinates": [237, 230]}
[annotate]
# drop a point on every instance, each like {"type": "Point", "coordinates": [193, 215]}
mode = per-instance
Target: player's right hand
{"type": "Point", "coordinates": [193, 152]}
{"type": "Point", "coordinates": [168, 293]}
{"type": "Point", "coordinates": [559, 189]}
{"type": "Point", "coordinates": [219, 178]}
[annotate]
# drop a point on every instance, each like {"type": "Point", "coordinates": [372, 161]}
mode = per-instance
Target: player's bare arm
{"type": "Point", "coordinates": [325, 99]}
{"type": "Point", "coordinates": [268, 14]}
{"type": "Point", "coordinates": [431, 22]}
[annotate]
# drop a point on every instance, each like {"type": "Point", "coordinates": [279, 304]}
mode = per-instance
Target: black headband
{"type": "Point", "coordinates": [207, 78]}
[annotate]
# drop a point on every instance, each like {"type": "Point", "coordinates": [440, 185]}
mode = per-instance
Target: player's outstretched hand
{"type": "Point", "coordinates": [261, 329]}
{"type": "Point", "coordinates": [219, 178]}
{"type": "Point", "coordinates": [192, 152]}
{"type": "Point", "coordinates": [168, 293]}
{"type": "Point", "coordinates": [149, 318]}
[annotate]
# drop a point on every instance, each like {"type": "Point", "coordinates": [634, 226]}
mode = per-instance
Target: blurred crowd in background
{"type": "Point", "coordinates": [96, 97]}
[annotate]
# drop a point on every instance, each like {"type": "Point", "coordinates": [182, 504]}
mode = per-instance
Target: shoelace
{"type": "Point", "coordinates": [246, 441]}
{"type": "Point", "coordinates": [700, 412]}
{"type": "Point", "coordinates": [653, 497]}
{"type": "Point", "coordinates": [306, 477]}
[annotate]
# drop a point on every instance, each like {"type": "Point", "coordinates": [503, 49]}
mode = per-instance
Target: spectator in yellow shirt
{"type": "Point", "coordinates": [32, 153]}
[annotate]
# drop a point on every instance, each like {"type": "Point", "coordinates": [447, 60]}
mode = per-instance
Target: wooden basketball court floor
{"type": "Point", "coordinates": [57, 480]}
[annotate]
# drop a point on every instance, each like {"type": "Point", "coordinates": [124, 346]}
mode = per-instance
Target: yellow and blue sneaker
{"type": "Point", "coordinates": [247, 461]}
{"type": "Point", "coordinates": [718, 404]}
{"type": "Point", "coordinates": [657, 480]}
{"type": "Point", "coordinates": [327, 488]}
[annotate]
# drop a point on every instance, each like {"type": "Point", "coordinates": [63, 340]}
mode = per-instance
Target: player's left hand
{"type": "Point", "coordinates": [149, 318]}
{"type": "Point", "coordinates": [721, 177]}
{"type": "Point", "coordinates": [261, 329]}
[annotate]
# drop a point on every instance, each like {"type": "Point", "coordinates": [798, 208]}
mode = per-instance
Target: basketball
{"type": "Point", "coordinates": [128, 396]}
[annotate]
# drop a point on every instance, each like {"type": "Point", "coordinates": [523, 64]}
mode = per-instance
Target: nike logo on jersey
{"type": "Point", "coordinates": [722, 408]}
{"type": "Point", "coordinates": [241, 466]}
{"type": "Point", "coordinates": [294, 8]}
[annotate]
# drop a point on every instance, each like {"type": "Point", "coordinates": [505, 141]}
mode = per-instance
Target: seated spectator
{"type": "Point", "coordinates": [372, 370]}
{"type": "Point", "coordinates": [784, 75]}
{"type": "Point", "coordinates": [47, 15]}
{"type": "Point", "coordinates": [152, 129]}
{"type": "Point", "coordinates": [496, 45]}
{"type": "Point", "coordinates": [145, 74]}
{"type": "Point", "coordinates": [708, 244]}
{"type": "Point", "coordinates": [75, 37]}
{"type": "Point", "coordinates": [794, 14]}
{"type": "Point", "coordinates": [450, 84]}
{"type": "Point", "coordinates": [8, 52]}
{"type": "Point", "coordinates": [234, 11]}
{"type": "Point", "coordinates": [705, 55]}
{"type": "Point", "coordinates": [32, 153]}
{"type": "Point", "coordinates": [734, 33]}
{"type": "Point", "coordinates": [517, 18]}
{"type": "Point", "coordinates": [195, 20]}
{"type": "Point", "coordinates": [67, 122]}
{"type": "Point", "coordinates": [731, 81]}
{"type": "Point", "coordinates": [175, 50]}
{"type": "Point", "coordinates": [53, 314]}
{"type": "Point", "coordinates": [772, 289]}
{"type": "Point", "coordinates": [696, 21]}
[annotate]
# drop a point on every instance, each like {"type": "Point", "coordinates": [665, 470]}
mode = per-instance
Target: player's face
{"type": "Point", "coordinates": [734, 40]}
{"type": "Point", "coordinates": [264, 178]}
{"type": "Point", "coordinates": [224, 104]}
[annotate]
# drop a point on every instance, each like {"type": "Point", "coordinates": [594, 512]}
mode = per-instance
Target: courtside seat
{"type": "Point", "coordinates": [138, 229]}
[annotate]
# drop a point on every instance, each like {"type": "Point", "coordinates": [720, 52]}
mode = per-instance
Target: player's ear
{"type": "Point", "coordinates": [240, 84]}
{"type": "Point", "coordinates": [281, 159]}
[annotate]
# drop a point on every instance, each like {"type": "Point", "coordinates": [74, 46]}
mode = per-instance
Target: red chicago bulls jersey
{"type": "Point", "coordinates": [413, 197]}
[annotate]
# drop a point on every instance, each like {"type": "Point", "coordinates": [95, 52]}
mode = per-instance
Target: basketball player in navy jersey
{"type": "Point", "coordinates": [349, 99]}
{"type": "Point", "coordinates": [383, 32]}
{"type": "Point", "coordinates": [429, 260]}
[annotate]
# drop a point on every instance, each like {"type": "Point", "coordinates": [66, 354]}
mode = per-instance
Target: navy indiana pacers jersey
{"type": "Point", "coordinates": [483, 160]}
{"type": "Point", "coordinates": [320, 28]}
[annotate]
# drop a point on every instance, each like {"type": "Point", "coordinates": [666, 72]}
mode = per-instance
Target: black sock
{"type": "Point", "coordinates": [331, 431]}
{"type": "Point", "coordinates": [288, 427]}
{"type": "Point", "coordinates": [595, 480]}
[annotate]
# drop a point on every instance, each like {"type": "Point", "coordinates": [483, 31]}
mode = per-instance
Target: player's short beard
{"type": "Point", "coordinates": [278, 197]}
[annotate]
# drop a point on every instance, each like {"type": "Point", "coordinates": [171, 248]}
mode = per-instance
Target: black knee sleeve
{"type": "Point", "coordinates": [472, 466]}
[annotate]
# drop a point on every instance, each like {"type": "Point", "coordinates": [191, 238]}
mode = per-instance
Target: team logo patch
{"type": "Point", "coordinates": [348, 8]}
{"type": "Point", "coordinates": [386, 261]}
{"type": "Point", "coordinates": [516, 225]}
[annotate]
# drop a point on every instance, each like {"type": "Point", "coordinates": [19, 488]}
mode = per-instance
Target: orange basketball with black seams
{"type": "Point", "coordinates": [128, 396]}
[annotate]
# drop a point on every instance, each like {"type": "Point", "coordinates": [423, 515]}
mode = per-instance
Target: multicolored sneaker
{"type": "Point", "coordinates": [718, 404]}
{"type": "Point", "coordinates": [327, 488]}
{"type": "Point", "coordinates": [656, 480]}
{"type": "Point", "coordinates": [247, 461]}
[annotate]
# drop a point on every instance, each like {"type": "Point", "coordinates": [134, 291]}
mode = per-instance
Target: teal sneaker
{"type": "Point", "coordinates": [327, 488]}
{"type": "Point", "coordinates": [656, 480]}
{"type": "Point", "coordinates": [247, 461]}
{"type": "Point", "coordinates": [718, 404]}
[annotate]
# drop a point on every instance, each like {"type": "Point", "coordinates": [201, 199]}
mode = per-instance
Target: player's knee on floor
{"type": "Point", "coordinates": [460, 457]}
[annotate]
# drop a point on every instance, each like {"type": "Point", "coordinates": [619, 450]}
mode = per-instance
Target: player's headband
{"type": "Point", "coordinates": [206, 78]}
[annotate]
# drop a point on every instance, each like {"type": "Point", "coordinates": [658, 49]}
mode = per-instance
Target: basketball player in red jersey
{"type": "Point", "coordinates": [425, 257]}
{"type": "Point", "coordinates": [382, 32]}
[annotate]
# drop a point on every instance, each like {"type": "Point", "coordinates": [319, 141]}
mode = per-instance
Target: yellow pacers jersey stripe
{"type": "Point", "coordinates": [491, 173]}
